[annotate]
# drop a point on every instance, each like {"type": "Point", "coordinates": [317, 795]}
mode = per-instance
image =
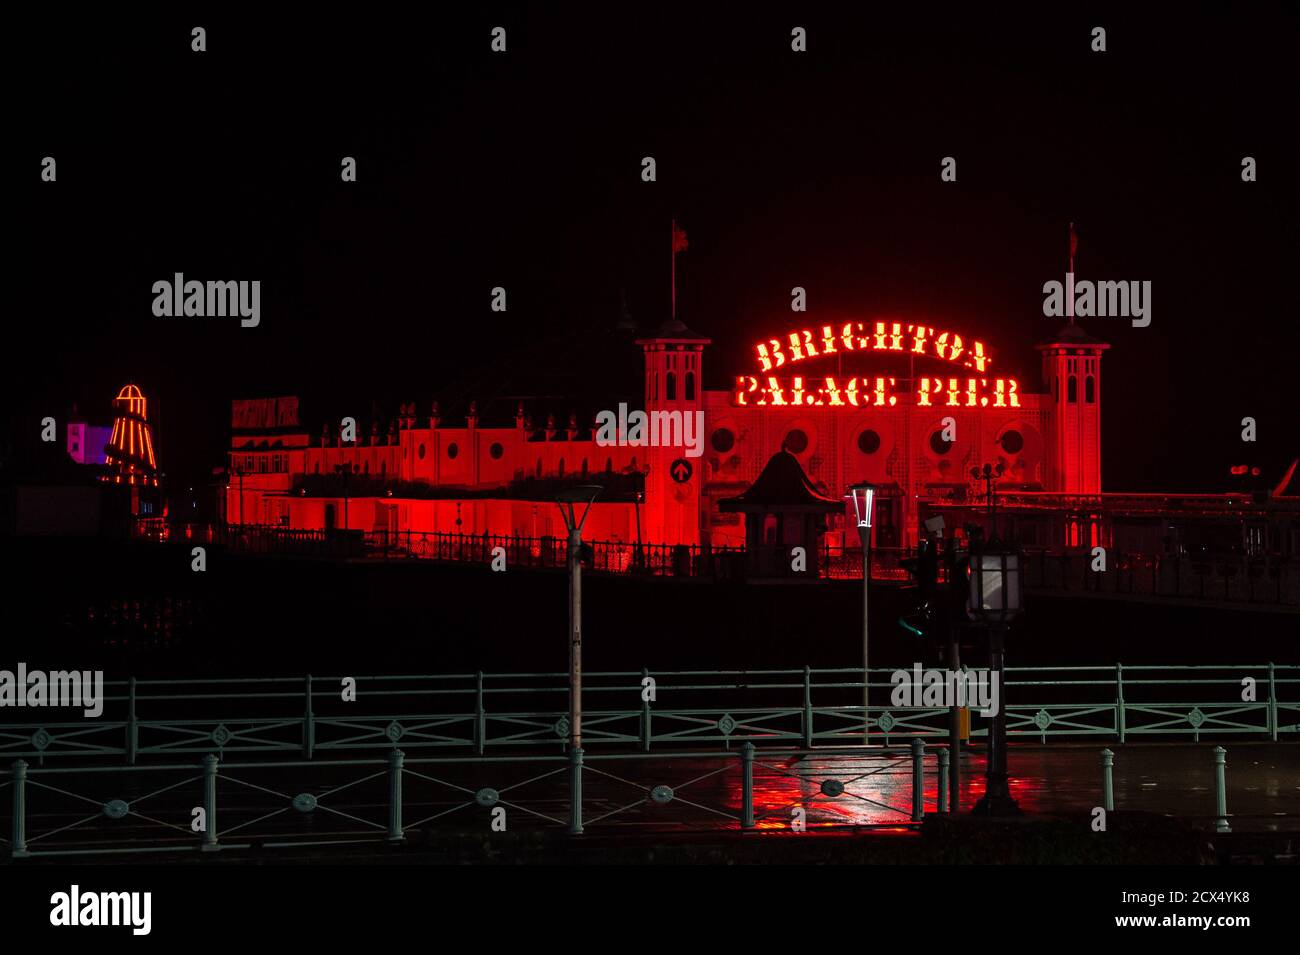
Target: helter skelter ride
{"type": "Point", "coordinates": [129, 454]}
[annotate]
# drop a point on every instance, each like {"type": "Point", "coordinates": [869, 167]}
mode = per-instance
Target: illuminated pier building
{"type": "Point", "coordinates": [911, 408]}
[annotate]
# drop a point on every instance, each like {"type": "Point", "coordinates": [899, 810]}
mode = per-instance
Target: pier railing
{"type": "Point", "coordinates": [482, 713]}
{"type": "Point", "coordinates": [1269, 581]}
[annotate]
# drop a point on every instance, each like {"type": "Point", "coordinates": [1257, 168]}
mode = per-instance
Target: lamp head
{"type": "Point", "coordinates": [580, 494]}
{"type": "Point", "coordinates": [864, 499]}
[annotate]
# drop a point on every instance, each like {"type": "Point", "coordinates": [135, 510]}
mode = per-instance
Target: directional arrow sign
{"type": "Point", "coordinates": [681, 470]}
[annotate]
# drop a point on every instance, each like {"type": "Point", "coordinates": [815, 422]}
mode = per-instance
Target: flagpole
{"type": "Point", "coordinates": [1069, 294]}
{"type": "Point", "coordinates": [672, 250]}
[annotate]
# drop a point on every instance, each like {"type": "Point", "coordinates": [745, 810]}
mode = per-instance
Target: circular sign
{"type": "Point", "coordinates": [681, 470]}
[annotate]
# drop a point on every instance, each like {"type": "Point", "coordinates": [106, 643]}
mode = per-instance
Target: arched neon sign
{"type": "Point", "coordinates": [867, 392]}
{"type": "Point", "coordinates": [885, 337]}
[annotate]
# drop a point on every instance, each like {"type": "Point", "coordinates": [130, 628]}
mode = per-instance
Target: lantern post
{"type": "Point", "coordinates": [996, 598]}
{"type": "Point", "coordinates": [863, 496]}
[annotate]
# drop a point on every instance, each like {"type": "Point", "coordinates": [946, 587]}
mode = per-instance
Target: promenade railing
{"type": "Point", "coordinates": [306, 716]}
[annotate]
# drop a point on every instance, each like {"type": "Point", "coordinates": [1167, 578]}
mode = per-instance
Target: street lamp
{"type": "Point", "coordinates": [346, 470]}
{"type": "Point", "coordinates": [995, 600]}
{"type": "Point", "coordinates": [582, 494]}
{"type": "Point", "coordinates": [989, 474]}
{"type": "Point", "coordinates": [864, 501]}
{"type": "Point", "coordinates": [238, 472]}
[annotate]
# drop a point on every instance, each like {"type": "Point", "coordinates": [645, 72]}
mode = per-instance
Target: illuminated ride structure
{"type": "Point", "coordinates": [129, 454]}
{"type": "Point", "coordinates": [909, 408]}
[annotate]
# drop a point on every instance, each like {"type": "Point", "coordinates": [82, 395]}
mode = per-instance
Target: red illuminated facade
{"type": "Point", "coordinates": [909, 408]}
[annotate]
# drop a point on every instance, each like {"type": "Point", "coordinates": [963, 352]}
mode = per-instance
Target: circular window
{"type": "Point", "coordinates": [420, 452]}
{"type": "Point", "coordinates": [496, 451]}
{"type": "Point", "coordinates": [1013, 442]}
{"type": "Point", "coordinates": [868, 442]}
{"type": "Point", "coordinates": [796, 442]}
{"type": "Point", "coordinates": [938, 444]}
{"type": "Point", "coordinates": [723, 440]}
{"type": "Point", "coordinates": [452, 450]}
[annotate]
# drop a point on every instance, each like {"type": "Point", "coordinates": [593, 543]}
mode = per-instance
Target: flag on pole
{"type": "Point", "coordinates": [679, 239]}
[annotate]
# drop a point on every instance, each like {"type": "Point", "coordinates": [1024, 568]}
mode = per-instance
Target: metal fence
{"type": "Point", "coordinates": [211, 804]}
{"type": "Point", "coordinates": [1263, 581]}
{"type": "Point", "coordinates": [481, 713]}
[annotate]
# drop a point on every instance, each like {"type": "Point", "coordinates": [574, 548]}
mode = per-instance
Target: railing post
{"type": "Point", "coordinates": [210, 803]}
{"type": "Point", "coordinates": [943, 781]}
{"type": "Point", "coordinates": [1272, 703]}
{"type": "Point", "coordinates": [132, 729]}
{"type": "Point", "coordinates": [480, 715]}
{"type": "Point", "coordinates": [308, 720]}
{"type": "Point", "coordinates": [575, 791]}
{"type": "Point", "coordinates": [395, 758]}
{"type": "Point", "coordinates": [747, 786]}
{"type": "Point", "coordinates": [1108, 780]}
{"type": "Point", "coordinates": [1121, 726]}
{"type": "Point", "coordinates": [807, 708]}
{"type": "Point", "coordinates": [645, 713]}
{"type": "Point", "coordinates": [19, 849]}
{"type": "Point", "coordinates": [918, 779]}
{"type": "Point", "coordinates": [1220, 791]}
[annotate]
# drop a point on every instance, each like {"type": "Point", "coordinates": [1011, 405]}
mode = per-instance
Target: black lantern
{"type": "Point", "coordinates": [995, 585]}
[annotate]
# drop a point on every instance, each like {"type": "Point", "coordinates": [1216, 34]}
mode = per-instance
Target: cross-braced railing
{"type": "Point", "coordinates": [310, 717]}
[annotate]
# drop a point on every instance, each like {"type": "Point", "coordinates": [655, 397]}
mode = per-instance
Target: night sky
{"type": "Point", "coordinates": [817, 169]}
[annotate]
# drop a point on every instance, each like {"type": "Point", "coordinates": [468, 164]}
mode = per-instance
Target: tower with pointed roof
{"type": "Point", "coordinates": [673, 382]}
{"type": "Point", "coordinates": [1072, 375]}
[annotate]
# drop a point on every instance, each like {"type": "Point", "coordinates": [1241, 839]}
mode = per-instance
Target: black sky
{"type": "Point", "coordinates": [522, 170]}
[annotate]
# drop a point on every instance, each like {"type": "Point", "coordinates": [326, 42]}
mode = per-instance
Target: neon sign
{"type": "Point", "coordinates": [886, 337]}
{"type": "Point", "coordinates": [868, 392]}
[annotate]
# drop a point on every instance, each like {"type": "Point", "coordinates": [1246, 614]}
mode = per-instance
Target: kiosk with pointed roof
{"type": "Point", "coordinates": [783, 510]}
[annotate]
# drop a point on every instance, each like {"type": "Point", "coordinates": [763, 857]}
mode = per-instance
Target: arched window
{"type": "Point", "coordinates": [1072, 390]}
{"type": "Point", "coordinates": [670, 388]}
{"type": "Point", "coordinates": [561, 471]}
{"type": "Point", "coordinates": [689, 386]}
{"type": "Point", "coordinates": [539, 467]}
{"type": "Point", "coordinates": [1090, 389]}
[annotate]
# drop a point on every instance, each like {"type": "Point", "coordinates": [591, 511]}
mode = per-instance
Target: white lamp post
{"type": "Point", "coordinates": [864, 509]}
